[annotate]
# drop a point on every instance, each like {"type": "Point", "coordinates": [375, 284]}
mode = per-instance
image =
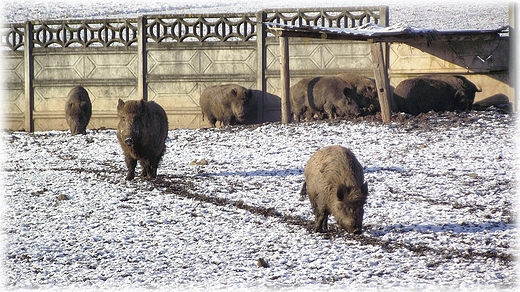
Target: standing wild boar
{"type": "Point", "coordinates": [78, 110]}
{"type": "Point", "coordinates": [227, 103]}
{"type": "Point", "coordinates": [332, 96]}
{"type": "Point", "coordinates": [334, 184]}
{"type": "Point", "coordinates": [300, 94]}
{"type": "Point", "coordinates": [142, 132]}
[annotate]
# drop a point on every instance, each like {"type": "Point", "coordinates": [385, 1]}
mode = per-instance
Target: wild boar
{"type": "Point", "coordinates": [78, 110]}
{"type": "Point", "coordinates": [465, 89]}
{"type": "Point", "coordinates": [332, 96]}
{"type": "Point", "coordinates": [364, 92]}
{"type": "Point", "coordinates": [434, 92]}
{"type": "Point", "coordinates": [334, 183]}
{"type": "Point", "coordinates": [142, 132]}
{"type": "Point", "coordinates": [299, 94]}
{"type": "Point", "coordinates": [227, 103]}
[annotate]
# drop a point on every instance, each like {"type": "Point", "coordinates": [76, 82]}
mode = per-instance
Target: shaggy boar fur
{"type": "Point", "coordinates": [300, 93]}
{"type": "Point", "coordinates": [421, 95]}
{"type": "Point", "coordinates": [363, 91]}
{"type": "Point", "coordinates": [334, 183]}
{"type": "Point", "coordinates": [435, 92]}
{"type": "Point", "coordinates": [78, 110]}
{"type": "Point", "coordinates": [226, 103]}
{"type": "Point", "coordinates": [142, 132]}
{"type": "Point", "coordinates": [332, 96]}
{"type": "Point", "coordinates": [465, 89]}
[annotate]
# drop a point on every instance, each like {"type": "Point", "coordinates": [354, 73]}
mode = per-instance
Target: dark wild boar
{"type": "Point", "coordinates": [299, 94]}
{"type": "Point", "coordinates": [465, 89]}
{"type": "Point", "coordinates": [78, 110]}
{"type": "Point", "coordinates": [434, 92]}
{"type": "Point", "coordinates": [332, 97]}
{"type": "Point", "coordinates": [227, 103]}
{"type": "Point", "coordinates": [364, 92]}
{"type": "Point", "coordinates": [142, 132]}
{"type": "Point", "coordinates": [334, 183]}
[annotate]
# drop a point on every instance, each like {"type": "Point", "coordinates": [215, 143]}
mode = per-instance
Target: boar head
{"type": "Point", "coordinates": [78, 117]}
{"type": "Point", "coordinates": [240, 99]}
{"type": "Point", "coordinates": [349, 211]}
{"type": "Point", "coordinates": [130, 123]}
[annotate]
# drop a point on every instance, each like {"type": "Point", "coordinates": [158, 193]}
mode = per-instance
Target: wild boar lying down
{"type": "Point", "coordinates": [227, 103]}
{"type": "Point", "coordinates": [142, 132]}
{"type": "Point", "coordinates": [334, 184]}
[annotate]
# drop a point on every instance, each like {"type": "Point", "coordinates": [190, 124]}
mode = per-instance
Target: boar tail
{"type": "Point", "coordinates": [303, 192]}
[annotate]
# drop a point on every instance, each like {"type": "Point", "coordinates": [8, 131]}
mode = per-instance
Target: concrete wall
{"type": "Point", "coordinates": [171, 59]}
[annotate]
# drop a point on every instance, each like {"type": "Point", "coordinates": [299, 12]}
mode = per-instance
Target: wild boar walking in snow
{"type": "Point", "coordinates": [78, 110]}
{"type": "Point", "coordinates": [142, 132]}
{"type": "Point", "coordinates": [334, 183]}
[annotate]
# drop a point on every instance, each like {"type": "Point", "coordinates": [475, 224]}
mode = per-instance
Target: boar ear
{"type": "Point", "coordinates": [342, 191]}
{"type": "Point", "coordinates": [142, 104]}
{"type": "Point", "coordinates": [120, 105]}
{"type": "Point", "coordinates": [364, 189]}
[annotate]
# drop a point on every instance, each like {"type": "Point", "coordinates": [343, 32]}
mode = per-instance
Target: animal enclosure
{"type": "Point", "coordinates": [171, 59]}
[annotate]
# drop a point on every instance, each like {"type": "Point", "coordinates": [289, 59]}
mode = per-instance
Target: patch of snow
{"type": "Point", "coordinates": [439, 213]}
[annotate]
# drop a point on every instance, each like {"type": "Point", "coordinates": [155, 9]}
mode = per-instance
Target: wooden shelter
{"type": "Point", "coordinates": [378, 36]}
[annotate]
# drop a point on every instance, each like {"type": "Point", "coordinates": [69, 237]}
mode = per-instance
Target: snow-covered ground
{"type": "Point", "coordinates": [437, 14]}
{"type": "Point", "coordinates": [439, 214]}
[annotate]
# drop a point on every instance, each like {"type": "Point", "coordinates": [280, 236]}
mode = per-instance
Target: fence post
{"type": "Point", "coordinates": [261, 49]}
{"type": "Point", "coordinates": [142, 70]}
{"type": "Point", "coordinates": [285, 79]}
{"type": "Point", "coordinates": [29, 76]}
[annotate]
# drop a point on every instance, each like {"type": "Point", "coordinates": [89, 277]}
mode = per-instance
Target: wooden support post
{"type": "Point", "coordinates": [261, 49]}
{"type": "Point", "coordinates": [285, 79]}
{"type": "Point", "coordinates": [382, 83]}
{"type": "Point", "coordinates": [29, 76]}
{"type": "Point", "coordinates": [514, 59]}
{"type": "Point", "coordinates": [142, 85]}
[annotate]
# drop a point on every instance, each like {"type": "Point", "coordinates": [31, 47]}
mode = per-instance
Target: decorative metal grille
{"type": "Point", "coordinates": [202, 28]}
{"type": "Point", "coordinates": [177, 28]}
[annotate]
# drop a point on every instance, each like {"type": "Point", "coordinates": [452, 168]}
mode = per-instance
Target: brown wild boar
{"type": "Point", "coordinates": [227, 103]}
{"type": "Point", "coordinates": [364, 92]}
{"type": "Point", "coordinates": [334, 183]}
{"type": "Point", "coordinates": [300, 93]}
{"type": "Point", "coordinates": [435, 92]}
{"type": "Point", "coordinates": [142, 132]}
{"type": "Point", "coordinates": [331, 97]}
{"type": "Point", "coordinates": [78, 110]}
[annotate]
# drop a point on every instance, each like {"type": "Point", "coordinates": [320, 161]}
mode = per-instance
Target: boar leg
{"type": "Point", "coordinates": [130, 164]}
{"type": "Point", "coordinates": [320, 224]}
{"type": "Point", "coordinates": [329, 110]}
{"type": "Point", "coordinates": [149, 168]}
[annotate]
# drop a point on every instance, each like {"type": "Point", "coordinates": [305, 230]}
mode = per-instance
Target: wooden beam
{"type": "Point", "coordinates": [382, 83]}
{"type": "Point", "coordinates": [285, 79]}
